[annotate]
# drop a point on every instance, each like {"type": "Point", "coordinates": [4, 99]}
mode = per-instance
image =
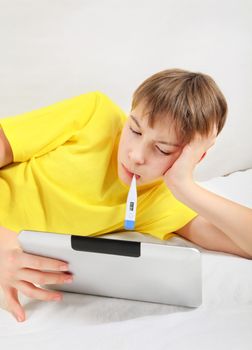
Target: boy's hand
{"type": "Point", "coordinates": [20, 271]}
{"type": "Point", "coordinates": [181, 172]}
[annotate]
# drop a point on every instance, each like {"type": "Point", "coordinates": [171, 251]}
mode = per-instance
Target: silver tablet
{"type": "Point", "coordinates": [150, 272]}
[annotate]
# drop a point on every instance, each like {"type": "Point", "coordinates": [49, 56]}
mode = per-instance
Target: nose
{"type": "Point", "coordinates": [137, 156]}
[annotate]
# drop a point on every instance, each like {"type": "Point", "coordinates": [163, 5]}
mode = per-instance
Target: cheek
{"type": "Point", "coordinates": [160, 165]}
{"type": "Point", "coordinates": [170, 161]}
{"type": "Point", "coordinates": [168, 164]}
{"type": "Point", "coordinates": [123, 143]}
{"type": "Point", "coordinates": [127, 138]}
{"type": "Point", "coordinates": [122, 139]}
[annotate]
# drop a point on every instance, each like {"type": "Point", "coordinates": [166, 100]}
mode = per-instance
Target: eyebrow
{"type": "Point", "coordinates": [163, 142]}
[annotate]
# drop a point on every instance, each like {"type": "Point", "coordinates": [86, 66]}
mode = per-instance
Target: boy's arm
{"type": "Point", "coordinates": [6, 156]}
{"type": "Point", "coordinates": [221, 215]}
{"type": "Point", "coordinates": [208, 236]}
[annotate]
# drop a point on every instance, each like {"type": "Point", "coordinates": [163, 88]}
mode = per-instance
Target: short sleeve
{"type": "Point", "coordinates": [163, 214]}
{"type": "Point", "coordinates": [35, 133]}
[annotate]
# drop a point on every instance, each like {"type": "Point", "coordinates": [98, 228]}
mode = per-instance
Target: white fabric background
{"type": "Point", "coordinates": [51, 50]}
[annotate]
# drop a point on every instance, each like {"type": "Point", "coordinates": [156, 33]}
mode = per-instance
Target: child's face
{"type": "Point", "coordinates": [141, 152]}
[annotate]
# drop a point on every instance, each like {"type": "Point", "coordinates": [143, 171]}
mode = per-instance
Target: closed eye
{"type": "Point", "coordinates": [165, 153]}
{"type": "Point", "coordinates": [139, 133]}
{"type": "Point", "coordinates": [135, 132]}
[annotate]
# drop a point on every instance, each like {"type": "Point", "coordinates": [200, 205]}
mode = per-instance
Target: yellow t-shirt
{"type": "Point", "coordinates": [64, 176]}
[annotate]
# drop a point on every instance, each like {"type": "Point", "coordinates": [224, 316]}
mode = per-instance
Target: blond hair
{"type": "Point", "coordinates": [192, 101]}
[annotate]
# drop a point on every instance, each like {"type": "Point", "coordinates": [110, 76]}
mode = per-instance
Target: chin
{"type": "Point", "coordinates": [124, 180]}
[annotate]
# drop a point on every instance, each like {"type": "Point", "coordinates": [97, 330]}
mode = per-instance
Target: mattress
{"type": "Point", "coordinates": [223, 321]}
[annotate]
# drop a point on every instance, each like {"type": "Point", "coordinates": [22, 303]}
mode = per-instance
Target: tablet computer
{"type": "Point", "coordinates": [149, 272]}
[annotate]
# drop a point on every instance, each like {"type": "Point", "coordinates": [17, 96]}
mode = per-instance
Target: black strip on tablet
{"type": "Point", "coordinates": [105, 246]}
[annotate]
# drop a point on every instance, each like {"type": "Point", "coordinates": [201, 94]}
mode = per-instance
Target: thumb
{"type": "Point", "coordinates": [12, 303]}
{"type": "Point", "coordinates": [203, 156]}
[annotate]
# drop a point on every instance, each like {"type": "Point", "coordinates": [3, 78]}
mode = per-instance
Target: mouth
{"type": "Point", "coordinates": [129, 173]}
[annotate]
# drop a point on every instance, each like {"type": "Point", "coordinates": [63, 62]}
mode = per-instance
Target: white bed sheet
{"type": "Point", "coordinates": [223, 321]}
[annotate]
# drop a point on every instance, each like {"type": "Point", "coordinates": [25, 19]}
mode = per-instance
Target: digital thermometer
{"type": "Point", "coordinates": [129, 222]}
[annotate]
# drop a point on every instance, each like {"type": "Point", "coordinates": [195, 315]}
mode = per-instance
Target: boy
{"type": "Point", "coordinates": [67, 168]}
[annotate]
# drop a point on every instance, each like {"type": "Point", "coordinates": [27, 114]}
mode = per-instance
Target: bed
{"type": "Point", "coordinates": [223, 321]}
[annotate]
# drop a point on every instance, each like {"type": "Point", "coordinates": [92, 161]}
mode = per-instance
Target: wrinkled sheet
{"type": "Point", "coordinates": [223, 321]}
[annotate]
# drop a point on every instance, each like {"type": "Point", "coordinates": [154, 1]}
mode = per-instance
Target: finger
{"type": "Point", "coordinates": [203, 156]}
{"type": "Point", "coordinates": [41, 278]}
{"type": "Point", "coordinates": [201, 145]}
{"type": "Point", "coordinates": [215, 130]}
{"type": "Point", "coordinates": [35, 292]}
{"type": "Point", "coordinates": [12, 303]}
{"type": "Point", "coordinates": [42, 263]}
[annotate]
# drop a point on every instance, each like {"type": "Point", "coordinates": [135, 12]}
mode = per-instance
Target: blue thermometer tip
{"type": "Point", "coordinates": [129, 224]}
